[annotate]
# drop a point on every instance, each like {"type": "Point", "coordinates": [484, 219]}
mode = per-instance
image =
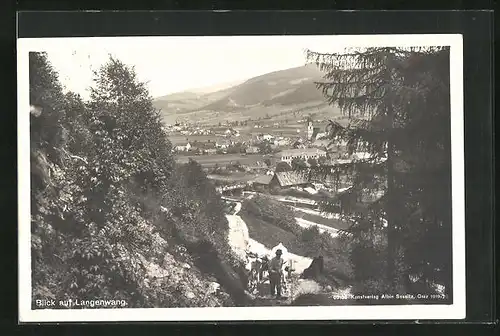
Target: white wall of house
{"type": "Point", "coordinates": [304, 156]}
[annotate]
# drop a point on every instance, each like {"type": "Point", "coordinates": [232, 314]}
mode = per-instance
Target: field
{"type": "Point", "coordinates": [180, 139]}
{"type": "Point", "coordinates": [331, 222]}
{"type": "Point", "coordinates": [270, 235]}
{"type": "Point", "coordinates": [233, 177]}
{"type": "Point", "coordinates": [221, 159]}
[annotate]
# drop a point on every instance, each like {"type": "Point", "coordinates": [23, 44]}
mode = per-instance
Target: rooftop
{"type": "Point", "coordinates": [264, 179]}
{"type": "Point", "coordinates": [301, 151]}
{"type": "Point", "coordinates": [290, 178]}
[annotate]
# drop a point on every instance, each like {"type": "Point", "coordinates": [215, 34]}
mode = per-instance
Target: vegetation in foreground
{"type": "Point", "coordinates": [398, 104]}
{"type": "Point", "coordinates": [270, 222]}
{"type": "Point", "coordinates": [112, 215]}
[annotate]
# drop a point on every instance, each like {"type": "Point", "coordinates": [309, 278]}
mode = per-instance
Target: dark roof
{"type": "Point", "coordinates": [264, 179]}
{"type": "Point", "coordinates": [290, 178]}
{"type": "Point", "coordinates": [206, 145]}
{"type": "Point", "coordinates": [301, 152]}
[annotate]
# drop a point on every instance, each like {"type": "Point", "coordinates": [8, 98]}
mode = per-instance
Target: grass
{"type": "Point", "coordinates": [233, 177]}
{"type": "Point", "coordinates": [269, 234]}
{"type": "Point", "coordinates": [178, 139]}
{"type": "Point", "coordinates": [221, 159]}
{"type": "Point", "coordinates": [331, 222]}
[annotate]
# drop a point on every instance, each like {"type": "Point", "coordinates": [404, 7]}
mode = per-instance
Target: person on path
{"type": "Point", "coordinates": [275, 273]}
{"type": "Point", "coordinates": [264, 267]}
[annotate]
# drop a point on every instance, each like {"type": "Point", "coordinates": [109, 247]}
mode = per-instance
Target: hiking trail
{"type": "Point", "coordinates": [241, 243]}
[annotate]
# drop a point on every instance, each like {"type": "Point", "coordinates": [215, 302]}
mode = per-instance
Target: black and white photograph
{"type": "Point", "coordinates": [182, 178]}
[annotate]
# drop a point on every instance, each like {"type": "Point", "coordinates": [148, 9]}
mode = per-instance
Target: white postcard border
{"type": "Point", "coordinates": [379, 312]}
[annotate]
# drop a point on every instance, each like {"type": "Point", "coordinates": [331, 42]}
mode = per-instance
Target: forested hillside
{"type": "Point", "coordinates": [112, 215]}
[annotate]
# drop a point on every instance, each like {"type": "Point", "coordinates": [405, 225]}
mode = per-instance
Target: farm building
{"type": "Point", "coordinates": [289, 179]}
{"type": "Point", "coordinates": [183, 147]}
{"type": "Point", "coordinates": [207, 147]}
{"type": "Point", "coordinates": [352, 200]}
{"type": "Point", "coordinates": [210, 151]}
{"type": "Point", "coordinates": [252, 150]}
{"type": "Point", "coordinates": [262, 182]}
{"type": "Point", "coordinates": [223, 144]}
{"type": "Point", "coordinates": [301, 153]}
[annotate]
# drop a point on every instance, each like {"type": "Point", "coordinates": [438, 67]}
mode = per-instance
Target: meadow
{"type": "Point", "coordinates": [221, 159]}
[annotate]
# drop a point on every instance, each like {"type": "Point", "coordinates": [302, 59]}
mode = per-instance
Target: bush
{"type": "Point", "coordinates": [273, 212]}
{"type": "Point", "coordinates": [101, 172]}
{"type": "Point", "coordinates": [271, 222]}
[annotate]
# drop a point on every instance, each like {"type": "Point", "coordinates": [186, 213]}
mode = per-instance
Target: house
{"type": "Point", "coordinates": [230, 131]}
{"type": "Point", "coordinates": [252, 150]}
{"type": "Point", "coordinates": [301, 153]}
{"type": "Point", "coordinates": [210, 151]}
{"type": "Point", "coordinates": [207, 145]}
{"type": "Point", "coordinates": [321, 135]}
{"type": "Point", "coordinates": [183, 147]}
{"type": "Point", "coordinates": [223, 144]}
{"type": "Point", "coordinates": [281, 142]}
{"type": "Point", "coordinates": [361, 156]}
{"type": "Point", "coordinates": [261, 182]}
{"type": "Point", "coordinates": [321, 143]}
{"type": "Point", "coordinates": [298, 143]}
{"type": "Point", "coordinates": [289, 179]}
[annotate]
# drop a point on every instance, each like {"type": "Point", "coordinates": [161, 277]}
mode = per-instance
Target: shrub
{"type": "Point", "coordinates": [98, 190]}
{"type": "Point", "coordinates": [272, 211]}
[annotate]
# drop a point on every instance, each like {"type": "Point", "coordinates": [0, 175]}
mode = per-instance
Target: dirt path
{"type": "Point", "coordinates": [241, 243]}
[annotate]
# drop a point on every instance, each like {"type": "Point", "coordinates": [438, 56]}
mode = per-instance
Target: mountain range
{"type": "Point", "coordinates": [272, 96]}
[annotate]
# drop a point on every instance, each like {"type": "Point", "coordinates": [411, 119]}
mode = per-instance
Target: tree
{"type": "Point", "coordinates": [298, 163]}
{"type": "Point", "coordinates": [313, 163]}
{"type": "Point", "coordinates": [45, 93]}
{"type": "Point", "coordinates": [282, 166]}
{"type": "Point", "coordinates": [265, 147]}
{"type": "Point", "coordinates": [124, 104]}
{"type": "Point", "coordinates": [392, 96]}
{"type": "Point", "coordinates": [322, 160]}
{"type": "Point", "coordinates": [109, 200]}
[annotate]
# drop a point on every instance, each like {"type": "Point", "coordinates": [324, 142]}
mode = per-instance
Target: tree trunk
{"type": "Point", "coordinates": [390, 217]}
{"type": "Point", "coordinates": [391, 206]}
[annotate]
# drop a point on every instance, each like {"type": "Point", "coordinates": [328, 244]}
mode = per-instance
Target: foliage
{"type": "Point", "coordinates": [312, 162]}
{"type": "Point", "coordinates": [298, 163]}
{"type": "Point", "coordinates": [103, 170]}
{"type": "Point", "coordinates": [271, 211]}
{"type": "Point", "coordinates": [392, 96]}
{"type": "Point", "coordinates": [200, 208]}
{"type": "Point", "coordinates": [265, 147]}
{"type": "Point", "coordinates": [307, 242]}
{"type": "Point", "coordinates": [282, 166]}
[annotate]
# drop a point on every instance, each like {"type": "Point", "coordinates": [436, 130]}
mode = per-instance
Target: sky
{"type": "Point", "coordinates": [175, 64]}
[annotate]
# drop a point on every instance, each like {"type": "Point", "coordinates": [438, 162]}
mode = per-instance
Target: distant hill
{"type": "Point", "coordinates": [216, 87]}
{"type": "Point", "coordinates": [275, 96]}
{"type": "Point", "coordinates": [193, 99]}
{"type": "Point", "coordinates": [291, 86]}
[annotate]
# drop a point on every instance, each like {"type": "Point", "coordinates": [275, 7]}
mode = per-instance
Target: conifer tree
{"type": "Point", "coordinates": [397, 102]}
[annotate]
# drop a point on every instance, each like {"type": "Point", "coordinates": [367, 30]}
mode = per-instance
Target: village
{"type": "Point", "coordinates": [299, 167]}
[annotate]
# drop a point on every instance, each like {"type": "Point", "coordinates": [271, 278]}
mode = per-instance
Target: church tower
{"type": "Point", "coordinates": [310, 129]}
